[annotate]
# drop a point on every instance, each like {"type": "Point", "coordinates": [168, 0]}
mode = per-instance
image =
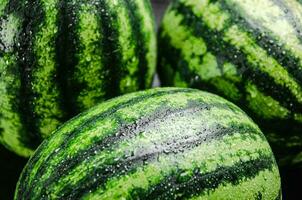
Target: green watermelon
{"type": "Point", "coordinates": [166, 143]}
{"type": "Point", "coordinates": [60, 57]}
{"type": "Point", "coordinates": [249, 52]}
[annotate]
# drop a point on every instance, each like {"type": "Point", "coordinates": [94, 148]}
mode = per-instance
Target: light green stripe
{"type": "Point", "coordinates": [268, 180]}
{"type": "Point", "coordinates": [178, 80]}
{"type": "Point", "coordinates": [191, 47]}
{"type": "Point", "coordinates": [274, 19]}
{"type": "Point", "coordinates": [148, 28]}
{"type": "Point", "coordinates": [46, 101]}
{"type": "Point", "coordinates": [88, 71]}
{"type": "Point", "coordinates": [127, 44]}
{"type": "Point", "coordinates": [3, 4]}
{"type": "Point", "coordinates": [264, 106]}
{"type": "Point", "coordinates": [156, 134]}
{"type": "Point", "coordinates": [227, 84]}
{"type": "Point", "coordinates": [10, 84]}
{"type": "Point", "coordinates": [230, 72]}
{"type": "Point", "coordinates": [210, 12]}
{"type": "Point", "coordinates": [10, 122]}
{"type": "Point", "coordinates": [216, 19]}
{"type": "Point", "coordinates": [231, 149]}
{"type": "Point", "coordinates": [298, 117]}
{"type": "Point", "coordinates": [226, 88]}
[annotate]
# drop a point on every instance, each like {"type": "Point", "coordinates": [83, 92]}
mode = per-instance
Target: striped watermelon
{"type": "Point", "coordinates": [167, 143]}
{"type": "Point", "coordinates": [59, 57]}
{"type": "Point", "coordinates": [249, 52]}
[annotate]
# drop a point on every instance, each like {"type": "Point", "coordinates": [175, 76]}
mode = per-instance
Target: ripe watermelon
{"type": "Point", "coordinates": [167, 143]}
{"type": "Point", "coordinates": [249, 52]}
{"type": "Point", "coordinates": [60, 57]}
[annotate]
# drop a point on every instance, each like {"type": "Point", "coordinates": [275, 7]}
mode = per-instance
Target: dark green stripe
{"type": "Point", "coordinates": [139, 42]}
{"type": "Point", "coordinates": [26, 63]}
{"type": "Point", "coordinates": [24, 189]}
{"type": "Point", "coordinates": [66, 41]}
{"type": "Point", "coordinates": [261, 79]}
{"type": "Point", "coordinates": [288, 146]}
{"type": "Point", "coordinates": [200, 183]}
{"type": "Point", "coordinates": [127, 165]}
{"type": "Point", "coordinates": [285, 127]}
{"type": "Point", "coordinates": [166, 67]}
{"type": "Point", "coordinates": [111, 49]}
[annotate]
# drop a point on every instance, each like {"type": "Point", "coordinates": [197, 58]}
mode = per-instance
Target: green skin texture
{"type": "Point", "coordinates": [64, 58]}
{"type": "Point", "coordinates": [126, 147]}
{"type": "Point", "coordinates": [247, 54]}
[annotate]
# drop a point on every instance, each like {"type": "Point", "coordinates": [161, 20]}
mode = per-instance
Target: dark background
{"type": "Point", "coordinates": [11, 165]}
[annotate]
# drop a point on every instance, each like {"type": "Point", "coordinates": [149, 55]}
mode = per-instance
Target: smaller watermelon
{"type": "Point", "coordinates": [166, 143]}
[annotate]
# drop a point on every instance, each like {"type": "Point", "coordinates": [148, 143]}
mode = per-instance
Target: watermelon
{"type": "Point", "coordinates": [249, 52]}
{"type": "Point", "coordinates": [60, 57]}
{"type": "Point", "coordinates": [167, 143]}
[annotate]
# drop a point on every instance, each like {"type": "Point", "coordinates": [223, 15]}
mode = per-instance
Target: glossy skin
{"type": "Point", "coordinates": [247, 54]}
{"type": "Point", "coordinates": [60, 57]}
{"type": "Point", "coordinates": [164, 143]}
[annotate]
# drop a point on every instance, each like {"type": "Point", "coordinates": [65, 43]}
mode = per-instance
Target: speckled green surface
{"type": "Point", "coordinates": [244, 53]}
{"type": "Point", "coordinates": [65, 57]}
{"type": "Point", "coordinates": [161, 143]}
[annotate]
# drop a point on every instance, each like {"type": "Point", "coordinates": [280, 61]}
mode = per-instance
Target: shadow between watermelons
{"type": "Point", "coordinates": [11, 166]}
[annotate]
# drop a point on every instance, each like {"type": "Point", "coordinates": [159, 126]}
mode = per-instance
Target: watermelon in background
{"type": "Point", "coordinates": [247, 51]}
{"type": "Point", "coordinates": [61, 57]}
{"type": "Point", "coordinates": [289, 176]}
{"type": "Point", "coordinates": [164, 143]}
